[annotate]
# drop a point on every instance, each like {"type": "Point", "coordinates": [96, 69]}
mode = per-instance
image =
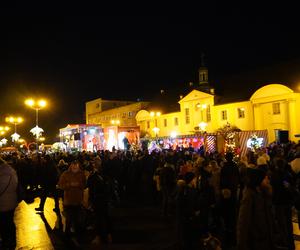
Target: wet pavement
{"type": "Point", "coordinates": [135, 228]}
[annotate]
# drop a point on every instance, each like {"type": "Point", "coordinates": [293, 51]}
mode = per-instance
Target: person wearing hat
{"type": "Point", "coordinates": [254, 224]}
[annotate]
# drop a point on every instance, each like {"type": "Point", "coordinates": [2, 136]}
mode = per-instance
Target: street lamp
{"type": "Point", "coordinates": [156, 131]}
{"type": "Point", "coordinates": [117, 122]}
{"type": "Point", "coordinates": [16, 121]}
{"type": "Point", "coordinates": [154, 116]}
{"type": "Point", "coordinates": [36, 105]}
{"type": "Point", "coordinates": [3, 130]}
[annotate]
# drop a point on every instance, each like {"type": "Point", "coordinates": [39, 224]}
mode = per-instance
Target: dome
{"type": "Point", "coordinates": [142, 115]}
{"type": "Point", "coordinates": [271, 90]}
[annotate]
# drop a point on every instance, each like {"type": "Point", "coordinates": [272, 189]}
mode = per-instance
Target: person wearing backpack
{"type": "Point", "coordinates": [98, 189]}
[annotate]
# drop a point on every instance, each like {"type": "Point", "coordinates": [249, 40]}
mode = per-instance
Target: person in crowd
{"type": "Point", "coordinates": [62, 166]}
{"type": "Point", "coordinates": [8, 204]}
{"type": "Point", "coordinates": [255, 221]}
{"type": "Point", "coordinates": [283, 184]}
{"type": "Point", "coordinates": [206, 197]}
{"type": "Point", "coordinates": [187, 213]}
{"type": "Point", "coordinates": [49, 179]}
{"type": "Point", "coordinates": [229, 184]}
{"type": "Point", "coordinates": [212, 243]}
{"type": "Point", "coordinates": [262, 163]}
{"type": "Point", "coordinates": [242, 165]}
{"type": "Point", "coordinates": [295, 163]}
{"type": "Point", "coordinates": [215, 179]}
{"type": "Point", "coordinates": [73, 182]}
{"type": "Point", "coordinates": [98, 199]}
{"type": "Point", "coordinates": [167, 179]}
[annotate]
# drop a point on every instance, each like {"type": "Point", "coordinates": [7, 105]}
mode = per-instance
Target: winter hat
{"type": "Point", "coordinates": [255, 177]}
{"type": "Point", "coordinates": [188, 177]}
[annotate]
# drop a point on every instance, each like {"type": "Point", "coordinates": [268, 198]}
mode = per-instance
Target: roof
{"type": "Point", "coordinates": [271, 90]}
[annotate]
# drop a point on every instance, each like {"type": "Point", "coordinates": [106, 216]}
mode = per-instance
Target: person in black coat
{"type": "Point", "coordinates": [49, 179]}
{"type": "Point", "coordinates": [187, 213]}
{"type": "Point", "coordinates": [167, 179]}
{"type": "Point", "coordinates": [255, 230]}
{"type": "Point", "coordinates": [229, 184]}
{"type": "Point", "coordinates": [99, 201]}
{"type": "Point", "coordinates": [283, 183]}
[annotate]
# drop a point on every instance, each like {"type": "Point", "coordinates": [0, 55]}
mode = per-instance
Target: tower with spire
{"type": "Point", "coordinates": [203, 77]}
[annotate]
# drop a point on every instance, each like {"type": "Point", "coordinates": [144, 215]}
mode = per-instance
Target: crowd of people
{"type": "Point", "coordinates": [218, 201]}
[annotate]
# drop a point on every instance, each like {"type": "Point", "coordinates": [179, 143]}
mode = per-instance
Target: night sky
{"type": "Point", "coordinates": [71, 58]}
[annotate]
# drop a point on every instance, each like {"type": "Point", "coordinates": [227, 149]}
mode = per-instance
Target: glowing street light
{"type": "Point", "coordinates": [3, 130]}
{"type": "Point", "coordinates": [173, 134]}
{"type": "Point", "coordinates": [42, 139]}
{"type": "Point", "coordinates": [156, 131]}
{"type": "Point", "coordinates": [36, 105]}
{"type": "Point", "coordinates": [202, 126]}
{"type": "Point", "coordinates": [16, 121]}
{"type": "Point", "coordinates": [115, 122]}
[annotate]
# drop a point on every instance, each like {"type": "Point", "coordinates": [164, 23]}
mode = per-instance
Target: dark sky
{"type": "Point", "coordinates": [71, 58]}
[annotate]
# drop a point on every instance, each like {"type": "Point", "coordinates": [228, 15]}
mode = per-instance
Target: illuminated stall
{"type": "Point", "coordinates": [82, 137]}
{"type": "Point", "coordinates": [252, 140]}
{"type": "Point", "coordinates": [120, 137]}
{"type": "Point", "coordinates": [242, 141]}
{"type": "Point", "coordinates": [207, 141]}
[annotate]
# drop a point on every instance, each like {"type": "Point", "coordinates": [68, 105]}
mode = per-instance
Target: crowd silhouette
{"type": "Point", "coordinates": [218, 200]}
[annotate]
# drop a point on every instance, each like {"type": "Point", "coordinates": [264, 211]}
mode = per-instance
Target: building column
{"type": "Point", "coordinates": [292, 119]}
{"type": "Point", "coordinates": [257, 115]}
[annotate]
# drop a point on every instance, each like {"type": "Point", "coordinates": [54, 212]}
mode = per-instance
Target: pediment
{"type": "Point", "coordinates": [195, 95]}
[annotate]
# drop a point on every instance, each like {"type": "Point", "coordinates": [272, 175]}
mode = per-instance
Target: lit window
{"type": "Point", "coordinates": [187, 115]}
{"type": "Point", "coordinates": [276, 108]}
{"type": "Point", "coordinates": [130, 114]}
{"type": "Point", "coordinates": [241, 112]}
{"type": "Point", "coordinates": [165, 122]}
{"type": "Point", "coordinates": [224, 114]}
{"type": "Point", "coordinates": [176, 121]}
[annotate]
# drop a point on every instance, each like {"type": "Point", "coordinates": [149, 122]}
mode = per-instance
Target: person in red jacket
{"type": "Point", "coordinates": [73, 182]}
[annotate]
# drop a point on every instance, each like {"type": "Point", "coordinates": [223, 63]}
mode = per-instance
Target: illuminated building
{"type": "Point", "coordinates": [106, 112]}
{"type": "Point", "coordinates": [274, 108]}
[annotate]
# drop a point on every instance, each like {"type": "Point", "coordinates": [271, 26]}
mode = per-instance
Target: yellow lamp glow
{"type": "Point", "coordinates": [42, 103]}
{"type": "Point", "coordinates": [156, 130]}
{"type": "Point", "coordinates": [173, 134]}
{"type": "Point", "coordinates": [35, 104]}
{"type": "Point", "coordinates": [202, 126]}
{"type": "Point", "coordinates": [29, 102]}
